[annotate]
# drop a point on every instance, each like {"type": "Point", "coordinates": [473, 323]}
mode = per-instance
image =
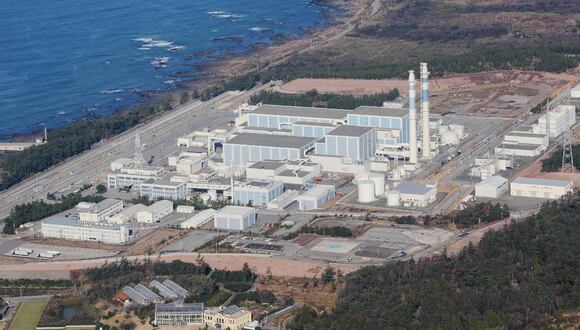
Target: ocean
{"type": "Point", "coordinates": [63, 60]}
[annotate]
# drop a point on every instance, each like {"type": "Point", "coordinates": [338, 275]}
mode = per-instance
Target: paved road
{"type": "Point", "coordinates": [159, 136]}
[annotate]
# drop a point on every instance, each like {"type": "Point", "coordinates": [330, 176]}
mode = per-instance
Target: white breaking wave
{"type": "Point", "coordinates": [111, 91]}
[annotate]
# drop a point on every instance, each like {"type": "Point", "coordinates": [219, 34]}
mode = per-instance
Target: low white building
{"type": "Point", "coordinates": [492, 187]}
{"type": "Point", "coordinates": [133, 176]}
{"type": "Point", "coordinates": [199, 219]}
{"type": "Point", "coordinates": [235, 218]}
{"type": "Point", "coordinates": [527, 138]}
{"type": "Point", "coordinates": [283, 201]}
{"type": "Point", "coordinates": [185, 209]}
{"type": "Point", "coordinates": [575, 92]}
{"type": "Point", "coordinates": [166, 189]}
{"type": "Point", "coordinates": [257, 192]}
{"type": "Point", "coordinates": [315, 197]}
{"type": "Point", "coordinates": [519, 149]}
{"type": "Point", "coordinates": [129, 214]}
{"type": "Point", "coordinates": [69, 229]}
{"type": "Point", "coordinates": [416, 194]}
{"type": "Point", "coordinates": [155, 212]}
{"type": "Point", "coordinates": [101, 211]}
{"type": "Point", "coordinates": [540, 188]}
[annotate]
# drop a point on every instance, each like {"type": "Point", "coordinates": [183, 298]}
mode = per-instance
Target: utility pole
{"type": "Point", "coordinates": [567, 156]}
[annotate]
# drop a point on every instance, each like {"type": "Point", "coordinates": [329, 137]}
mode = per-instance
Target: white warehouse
{"type": "Point", "coordinates": [235, 218]}
{"type": "Point", "coordinates": [357, 143]}
{"type": "Point", "coordinates": [155, 212]}
{"type": "Point", "coordinates": [199, 219]}
{"type": "Point", "coordinates": [540, 188]}
{"type": "Point", "coordinates": [257, 192]}
{"type": "Point", "coordinates": [315, 197]}
{"type": "Point", "coordinates": [165, 189]}
{"type": "Point", "coordinates": [492, 187]}
{"type": "Point", "coordinates": [69, 229]}
{"type": "Point", "coordinates": [416, 194]}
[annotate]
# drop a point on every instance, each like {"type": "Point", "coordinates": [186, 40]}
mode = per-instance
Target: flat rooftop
{"type": "Point", "coordinates": [494, 181]}
{"type": "Point", "coordinates": [347, 130]}
{"type": "Point", "coordinates": [313, 123]}
{"type": "Point", "coordinates": [267, 165]}
{"type": "Point", "coordinates": [267, 140]}
{"type": "Point", "coordinates": [179, 308]}
{"type": "Point", "coordinates": [306, 112]}
{"type": "Point", "coordinates": [525, 134]}
{"type": "Point", "coordinates": [237, 210]}
{"type": "Point", "coordinates": [105, 204]}
{"type": "Point", "coordinates": [412, 188]}
{"type": "Point", "coordinates": [521, 146]}
{"type": "Point", "coordinates": [542, 182]}
{"type": "Point", "coordinates": [74, 223]}
{"type": "Point", "coordinates": [380, 111]}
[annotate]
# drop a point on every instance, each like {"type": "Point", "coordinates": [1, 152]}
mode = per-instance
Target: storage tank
{"type": "Point", "coordinates": [360, 176]}
{"type": "Point", "coordinates": [393, 198]}
{"type": "Point", "coordinates": [379, 180]}
{"type": "Point", "coordinates": [366, 191]}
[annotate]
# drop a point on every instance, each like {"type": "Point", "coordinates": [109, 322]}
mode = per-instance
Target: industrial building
{"type": "Point", "coordinates": [165, 189]}
{"type": "Point", "coordinates": [249, 147]}
{"type": "Point", "coordinates": [382, 118]}
{"type": "Point", "coordinates": [311, 129]}
{"type": "Point", "coordinates": [315, 197]}
{"type": "Point", "coordinates": [540, 188]}
{"type": "Point", "coordinates": [492, 187]}
{"type": "Point", "coordinates": [519, 149]}
{"type": "Point", "coordinates": [280, 116]}
{"type": "Point", "coordinates": [155, 212]}
{"type": "Point", "coordinates": [556, 121]}
{"type": "Point", "coordinates": [235, 218]}
{"type": "Point", "coordinates": [230, 317]}
{"type": "Point", "coordinates": [132, 176]}
{"type": "Point", "coordinates": [101, 211]}
{"type": "Point", "coordinates": [356, 143]}
{"type": "Point", "coordinates": [257, 192]}
{"type": "Point", "coordinates": [283, 201]}
{"type": "Point", "coordinates": [69, 229]}
{"type": "Point", "coordinates": [199, 219]}
{"type": "Point", "coordinates": [179, 314]}
{"type": "Point", "coordinates": [416, 194]}
{"type": "Point", "coordinates": [575, 92]}
{"type": "Point", "coordinates": [128, 214]}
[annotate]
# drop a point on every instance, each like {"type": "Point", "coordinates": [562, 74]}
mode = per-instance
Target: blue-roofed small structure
{"type": "Point", "coordinates": [136, 296]}
{"type": "Point", "coordinates": [150, 295]}
{"type": "Point", "coordinates": [176, 288]}
{"type": "Point", "coordinates": [164, 291]}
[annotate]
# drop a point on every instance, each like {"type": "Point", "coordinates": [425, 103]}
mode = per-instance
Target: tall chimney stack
{"type": "Point", "coordinates": [425, 111]}
{"type": "Point", "coordinates": [412, 119]}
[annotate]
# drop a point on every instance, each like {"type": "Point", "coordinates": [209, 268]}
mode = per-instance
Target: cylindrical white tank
{"type": "Point", "coordinates": [366, 191]}
{"type": "Point", "coordinates": [360, 177]}
{"type": "Point", "coordinates": [379, 181]}
{"type": "Point", "coordinates": [393, 198]}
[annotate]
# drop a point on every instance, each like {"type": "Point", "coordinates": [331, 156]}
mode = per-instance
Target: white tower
{"type": "Point", "coordinates": [412, 119]}
{"type": "Point", "coordinates": [138, 154]}
{"type": "Point", "coordinates": [426, 134]}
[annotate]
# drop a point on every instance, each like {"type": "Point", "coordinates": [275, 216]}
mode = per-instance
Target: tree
{"type": "Point", "coordinates": [101, 189]}
{"type": "Point", "coordinates": [328, 275]}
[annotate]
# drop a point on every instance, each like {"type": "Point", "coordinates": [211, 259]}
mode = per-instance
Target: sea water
{"type": "Point", "coordinates": [63, 60]}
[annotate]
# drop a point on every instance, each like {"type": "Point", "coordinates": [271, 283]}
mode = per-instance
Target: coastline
{"type": "Point", "coordinates": [215, 70]}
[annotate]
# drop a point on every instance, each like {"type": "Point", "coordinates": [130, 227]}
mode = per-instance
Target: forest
{"type": "Point", "coordinates": [554, 162]}
{"type": "Point", "coordinates": [336, 101]}
{"type": "Point", "coordinates": [479, 213]}
{"type": "Point", "coordinates": [524, 277]}
{"type": "Point", "coordinates": [550, 58]}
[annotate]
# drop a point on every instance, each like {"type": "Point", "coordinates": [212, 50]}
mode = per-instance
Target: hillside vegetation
{"type": "Point", "coordinates": [523, 277]}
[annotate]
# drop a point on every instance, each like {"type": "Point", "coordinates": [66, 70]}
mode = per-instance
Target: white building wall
{"type": "Point", "coordinates": [539, 190]}
{"type": "Point", "coordinates": [108, 235]}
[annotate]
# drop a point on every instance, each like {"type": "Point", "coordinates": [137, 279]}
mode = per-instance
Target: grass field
{"type": "Point", "coordinates": [28, 315]}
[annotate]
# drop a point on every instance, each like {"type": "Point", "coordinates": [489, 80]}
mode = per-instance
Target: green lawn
{"type": "Point", "coordinates": [28, 315]}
